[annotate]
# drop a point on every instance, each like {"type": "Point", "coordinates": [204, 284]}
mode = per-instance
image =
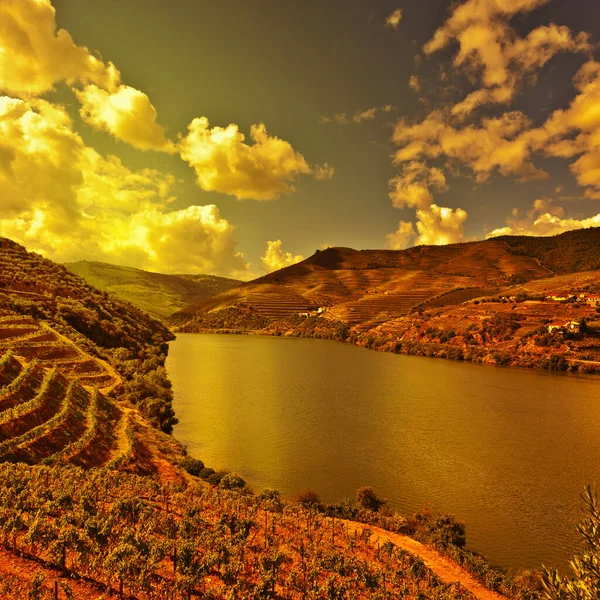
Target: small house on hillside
{"type": "Point", "coordinates": [569, 326]}
{"type": "Point", "coordinates": [593, 300]}
{"type": "Point", "coordinates": [560, 296]}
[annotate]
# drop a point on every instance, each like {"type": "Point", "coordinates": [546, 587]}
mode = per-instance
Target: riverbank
{"type": "Point", "coordinates": [497, 333]}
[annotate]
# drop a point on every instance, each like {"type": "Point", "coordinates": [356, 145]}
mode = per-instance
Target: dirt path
{"type": "Point", "coordinates": [444, 568]}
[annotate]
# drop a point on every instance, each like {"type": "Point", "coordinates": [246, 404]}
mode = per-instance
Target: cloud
{"type": "Point", "coordinates": [324, 172]}
{"type": "Point", "coordinates": [439, 225]}
{"type": "Point", "coordinates": [225, 163]}
{"type": "Point", "coordinates": [414, 83]}
{"type": "Point", "coordinates": [65, 200]}
{"type": "Point", "coordinates": [126, 113]}
{"type": "Point", "coordinates": [436, 226]}
{"type": "Point", "coordinates": [35, 55]}
{"type": "Point", "coordinates": [275, 258]}
{"type": "Point", "coordinates": [412, 188]}
{"type": "Point", "coordinates": [365, 115]}
{"type": "Point", "coordinates": [543, 219]}
{"type": "Point", "coordinates": [492, 52]}
{"type": "Point", "coordinates": [393, 19]}
{"type": "Point", "coordinates": [358, 117]}
{"type": "Point", "coordinates": [402, 238]}
{"type": "Point", "coordinates": [494, 146]}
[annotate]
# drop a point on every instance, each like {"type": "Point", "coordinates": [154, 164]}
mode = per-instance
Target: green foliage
{"type": "Point", "coordinates": [436, 528]}
{"type": "Point", "coordinates": [232, 481]}
{"type": "Point", "coordinates": [158, 294]}
{"type": "Point", "coordinates": [192, 465]}
{"type": "Point", "coordinates": [584, 582]}
{"type": "Point", "coordinates": [308, 497]}
{"type": "Point", "coordinates": [368, 500]}
{"type": "Point", "coordinates": [180, 541]}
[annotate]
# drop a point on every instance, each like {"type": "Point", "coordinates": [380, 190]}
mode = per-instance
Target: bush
{"type": "Point", "coordinates": [193, 466]}
{"type": "Point", "coordinates": [232, 481]}
{"type": "Point", "coordinates": [584, 583]}
{"type": "Point", "coordinates": [437, 528]}
{"type": "Point", "coordinates": [308, 497]}
{"type": "Point", "coordinates": [206, 473]}
{"type": "Point", "coordinates": [367, 499]}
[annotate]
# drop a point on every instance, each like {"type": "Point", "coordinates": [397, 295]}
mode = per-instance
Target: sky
{"type": "Point", "coordinates": [234, 137]}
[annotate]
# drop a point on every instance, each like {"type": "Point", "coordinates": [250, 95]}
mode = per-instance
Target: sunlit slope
{"type": "Point", "coordinates": [369, 286]}
{"type": "Point", "coordinates": [82, 377]}
{"type": "Point", "coordinates": [158, 294]}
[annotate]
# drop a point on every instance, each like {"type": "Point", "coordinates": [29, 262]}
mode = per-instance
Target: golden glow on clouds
{"type": "Point", "coordinates": [393, 20]}
{"type": "Point", "coordinates": [275, 258]}
{"type": "Point", "coordinates": [412, 188]}
{"type": "Point", "coordinates": [66, 200]}
{"type": "Point", "coordinates": [491, 50]}
{"type": "Point", "coordinates": [402, 238]}
{"type": "Point", "coordinates": [358, 117]}
{"type": "Point", "coordinates": [496, 59]}
{"type": "Point", "coordinates": [126, 113]}
{"type": "Point", "coordinates": [225, 163]}
{"type": "Point", "coordinates": [35, 56]}
{"type": "Point", "coordinates": [543, 219]}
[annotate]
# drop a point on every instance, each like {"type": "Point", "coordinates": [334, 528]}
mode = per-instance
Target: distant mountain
{"type": "Point", "coordinates": [158, 294]}
{"type": "Point", "coordinates": [367, 287]}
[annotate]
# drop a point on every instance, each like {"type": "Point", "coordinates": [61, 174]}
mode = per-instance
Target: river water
{"type": "Point", "coordinates": [507, 451]}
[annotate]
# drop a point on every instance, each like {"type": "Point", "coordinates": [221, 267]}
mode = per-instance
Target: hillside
{"type": "Point", "coordinates": [158, 294]}
{"type": "Point", "coordinates": [482, 301]}
{"type": "Point", "coordinates": [82, 377]}
{"type": "Point", "coordinates": [368, 287]}
{"type": "Point", "coordinates": [98, 534]}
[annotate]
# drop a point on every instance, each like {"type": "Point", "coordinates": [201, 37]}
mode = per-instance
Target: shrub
{"type": "Point", "coordinates": [206, 472]}
{"type": "Point", "coordinates": [367, 499]}
{"type": "Point", "coordinates": [232, 481]}
{"type": "Point", "coordinates": [308, 497]}
{"type": "Point", "coordinates": [437, 528]}
{"type": "Point", "coordinates": [193, 466]}
{"type": "Point", "coordinates": [584, 584]}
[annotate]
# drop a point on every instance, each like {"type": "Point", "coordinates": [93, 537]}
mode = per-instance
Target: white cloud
{"type": "Point", "coordinates": [412, 188]}
{"type": "Point", "coordinates": [126, 113]}
{"type": "Point", "coordinates": [34, 55]}
{"type": "Point", "coordinates": [275, 258]}
{"type": "Point", "coordinates": [65, 200]}
{"type": "Point", "coordinates": [402, 238]}
{"type": "Point", "coordinates": [439, 225]}
{"type": "Point", "coordinates": [225, 163]}
{"type": "Point", "coordinates": [543, 219]}
{"type": "Point", "coordinates": [491, 50]}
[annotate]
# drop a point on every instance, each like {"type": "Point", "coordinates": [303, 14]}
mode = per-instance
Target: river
{"type": "Point", "coordinates": [505, 450]}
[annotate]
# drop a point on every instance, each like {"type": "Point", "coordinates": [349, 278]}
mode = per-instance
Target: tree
{"type": "Point", "coordinates": [367, 498]}
{"type": "Point", "coordinates": [584, 583]}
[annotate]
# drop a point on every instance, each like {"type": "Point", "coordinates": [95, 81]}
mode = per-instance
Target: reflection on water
{"type": "Point", "coordinates": [506, 450]}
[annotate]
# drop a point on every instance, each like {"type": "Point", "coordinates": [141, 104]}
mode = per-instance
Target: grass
{"type": "Point", "coordinates": [158, 294]}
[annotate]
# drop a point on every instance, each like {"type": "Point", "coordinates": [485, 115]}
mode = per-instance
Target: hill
{"type": "Point", "coordinates": [82, 377]}
{"type": "Point", "coordinates": [367, 287]}
{"type": "Point", "coordinates": [483, 301]}
{"type": "Point", "coordinates": [158, 294]}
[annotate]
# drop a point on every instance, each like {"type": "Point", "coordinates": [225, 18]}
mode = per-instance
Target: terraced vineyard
{"type": "Point", "coordinates": [459, 296]}
{"type": "Point", "coordinates": [278, 306]}
{"type": "Point", "coordinates": [50, 419]}
{"type": "Point", "coordinates": [27, 338]}
{"type": "Point", "coordinates": [380, 308]}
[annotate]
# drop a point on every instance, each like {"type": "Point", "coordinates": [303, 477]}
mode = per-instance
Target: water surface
{"type": "Point", "coordinates": [506, 450]}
